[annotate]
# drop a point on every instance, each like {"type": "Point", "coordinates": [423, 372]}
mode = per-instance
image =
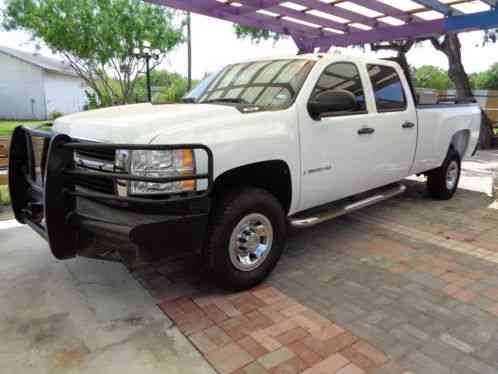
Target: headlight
{"type": "Point", "coordinates": [158, 164]}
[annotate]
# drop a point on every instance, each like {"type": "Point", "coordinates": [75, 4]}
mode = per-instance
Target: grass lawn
{"type": "Point", "coordinates": [7, 126]}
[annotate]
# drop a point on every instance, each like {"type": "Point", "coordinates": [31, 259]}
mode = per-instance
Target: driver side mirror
{"type": "Point", "coordinates": [330, 102]}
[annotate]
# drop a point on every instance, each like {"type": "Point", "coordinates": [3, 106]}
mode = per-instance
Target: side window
{"type": "Point", "coordinates": [341, 89]}
{"type": "Point", "coordinates": [388, 90]}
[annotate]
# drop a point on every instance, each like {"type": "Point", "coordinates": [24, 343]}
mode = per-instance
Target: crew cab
{"type": "Point", "coordinates": [257, 147]}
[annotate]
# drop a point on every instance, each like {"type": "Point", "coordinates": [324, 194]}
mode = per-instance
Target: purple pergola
{"type": "Point", "coordinates": [325, 23]}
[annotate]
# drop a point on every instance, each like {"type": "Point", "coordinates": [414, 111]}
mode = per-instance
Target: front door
{"type": "Point", "coordinates": [339, 149]}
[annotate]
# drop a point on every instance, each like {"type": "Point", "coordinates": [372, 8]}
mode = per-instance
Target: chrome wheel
{"type": "Point", "coordinates": [452, 175]}
{"type": "Point", "coordinates": [251, 242]}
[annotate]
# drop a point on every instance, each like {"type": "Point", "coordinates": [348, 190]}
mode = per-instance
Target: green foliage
{"type": "Point", "coordinates": [54, 115]}
{"type": "Point", "coordinates": [97, 37]}
{"type": "Point", "coordinates": [255, 35]}
{"type": "Point", "coordinates": [167, 87]}
{"type": "Point", "coordinates": [4, 195]}
{"type": "Point", "coordinates": [429, 76]}
{"type": "Point", "coordinates": [436, 78]}
{"type": "Point", "coordinates": [486, 80]}
{"type": "Point", "coordinates": [107, 97]}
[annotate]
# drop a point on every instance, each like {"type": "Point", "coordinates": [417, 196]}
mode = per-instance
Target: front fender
{"type": "Point", "coordinates": [254, 138]}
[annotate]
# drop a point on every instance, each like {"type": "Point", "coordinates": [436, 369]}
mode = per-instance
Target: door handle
{"type": "Point", "coordinates": [366, 131]}
{"type": "Point", "coordinates": [408, 125]}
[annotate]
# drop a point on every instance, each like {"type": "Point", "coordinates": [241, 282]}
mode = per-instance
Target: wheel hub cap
{"type": "Point", "coordinates": [250, 242]}
{"type": "Point", "coordinates": [452, 175]}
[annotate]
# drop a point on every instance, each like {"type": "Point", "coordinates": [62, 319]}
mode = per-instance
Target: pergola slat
{"type": "Point", "coordinates": [385, 9]}
{"type": "Point", "coordinates": [314, 23]}
{"type": "Point", "coordinates": [337, 11]}
{"type": "Point", "coordinates": [251, 4]}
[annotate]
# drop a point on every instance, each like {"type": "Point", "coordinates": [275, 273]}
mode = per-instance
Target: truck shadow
{"type": "Point", "coordinates": [317, 247]}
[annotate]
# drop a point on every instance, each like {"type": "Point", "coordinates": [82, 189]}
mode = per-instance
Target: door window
{"type": "Point", "coordinates": [388, 89]}
{"type": "Point", "coordinates": [337, 81]}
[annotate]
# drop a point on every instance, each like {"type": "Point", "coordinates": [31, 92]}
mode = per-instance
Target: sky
{"type": "Point", "coordinates": [215, 45]}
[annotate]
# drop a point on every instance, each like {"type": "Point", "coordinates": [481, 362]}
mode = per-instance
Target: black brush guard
{"type": "Point", "coordinates": [44, 196]}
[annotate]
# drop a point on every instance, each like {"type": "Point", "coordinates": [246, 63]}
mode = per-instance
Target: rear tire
{"type": "Point", "coordinates": [246, 238]}
{"type": "Point", "coordinates": [442, 183]}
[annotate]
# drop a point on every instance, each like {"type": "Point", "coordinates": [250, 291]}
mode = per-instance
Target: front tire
{"type": "Point", "coordinates": [442, 183]}
{"type": "Point", "coordinates": [246, 238]}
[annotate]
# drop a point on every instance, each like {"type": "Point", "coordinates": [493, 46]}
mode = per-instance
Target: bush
{"type": "Point", "coordinates": [4, 195]}
{"type": "Point", "coordinates": [54, 115]}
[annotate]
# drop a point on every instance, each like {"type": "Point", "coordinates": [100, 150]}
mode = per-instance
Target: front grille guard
{"type": "Point", "coordinates": [46, 201]}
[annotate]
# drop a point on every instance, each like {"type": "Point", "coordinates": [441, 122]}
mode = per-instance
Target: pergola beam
{"type": "Point", "coordinates": [385, 9]}
{"type": "Point", "coordinates": [311, 30]}
{"type": "Point", "coordinates": [264, 22]}
{"type": "Point", "coordinates": [337, 11]}
{"type": "Point", "coordinates": [416, 30]}
{"type": "Point", "coordinates": [251, 8]}
{"type": "Point", "coordinates": [491, 3]}
{"type": "Point", "coordinates": [438, 6]}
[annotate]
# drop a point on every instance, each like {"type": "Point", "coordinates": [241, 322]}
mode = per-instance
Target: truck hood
{"type": "Point", "coordinates": [142, 123]}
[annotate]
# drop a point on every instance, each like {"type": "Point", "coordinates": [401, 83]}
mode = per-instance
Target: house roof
{"type": "Point", "coordinates": [323, 23]}
{"type": "Point", "coordinates": [43, 62]}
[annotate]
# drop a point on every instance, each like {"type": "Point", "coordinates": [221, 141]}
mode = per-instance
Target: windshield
{"type": "Point", "coordinates": [271, 84]}
{"type": "Point", "coordinates": [194, 95]}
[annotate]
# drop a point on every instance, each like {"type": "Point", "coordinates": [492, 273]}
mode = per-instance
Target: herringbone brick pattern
{"type": "Point", "coordinates": [264, 331]}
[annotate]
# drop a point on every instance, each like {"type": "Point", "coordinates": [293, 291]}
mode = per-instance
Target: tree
{"type": "Point", "coordinates": [429, 76]}
{"type": "Point", "coordinates": [255, 35]}
{"type": "Point", "coordinates": [97, 37]}
{"type": "Point", "coordinates": [486, 80]}
{"type": "Point", "coordinates": [450, 45]}
{"type": "Point", "coordinates": [168, 87]}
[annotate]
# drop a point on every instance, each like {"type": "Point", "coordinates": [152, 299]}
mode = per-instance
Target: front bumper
{"type": "Point", "coordinates": [46, 197]}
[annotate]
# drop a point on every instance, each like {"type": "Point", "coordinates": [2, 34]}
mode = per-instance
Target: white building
{"type": "Point", "coordinates": [34, 86]}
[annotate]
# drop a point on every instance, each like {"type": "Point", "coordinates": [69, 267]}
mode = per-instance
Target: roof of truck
{"type": "Point", "coordinates": [319, 56]}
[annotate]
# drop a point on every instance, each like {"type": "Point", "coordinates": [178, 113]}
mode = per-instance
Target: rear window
{"type": "Point", "coordinates": [388, 89]}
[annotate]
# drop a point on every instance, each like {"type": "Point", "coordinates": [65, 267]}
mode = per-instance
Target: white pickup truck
{"type": "Point", "coordinates": [256, 148]}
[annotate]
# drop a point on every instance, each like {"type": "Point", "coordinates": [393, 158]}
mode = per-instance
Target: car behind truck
{"type": "Point", "coordinates": [260, 146]}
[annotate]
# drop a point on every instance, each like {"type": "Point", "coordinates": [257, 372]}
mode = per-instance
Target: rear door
{"type": "Point", "coordinates": [395, 124]}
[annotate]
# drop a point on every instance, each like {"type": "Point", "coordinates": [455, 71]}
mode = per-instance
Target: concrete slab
{"type": "Point", "coordinates": [81, 316]}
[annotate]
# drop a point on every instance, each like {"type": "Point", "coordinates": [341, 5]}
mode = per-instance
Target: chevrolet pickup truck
{"type": "Point", "coordinates": [259, 147]}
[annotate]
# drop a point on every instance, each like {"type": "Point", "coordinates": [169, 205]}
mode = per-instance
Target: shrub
{"type": "Point", "coordinates": [54, 115]}
{"type": "Point", "coordinates": [4, 195]}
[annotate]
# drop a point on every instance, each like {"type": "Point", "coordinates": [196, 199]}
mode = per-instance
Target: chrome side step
{"type": "Point", "coordinates": [334, 210]}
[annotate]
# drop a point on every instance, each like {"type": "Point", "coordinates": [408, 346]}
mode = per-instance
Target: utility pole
{"type": "Point", "coordinates": [189, 50]}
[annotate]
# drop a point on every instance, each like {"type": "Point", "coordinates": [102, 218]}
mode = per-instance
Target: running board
{"type": "Point", "coordinates": [327, 212]}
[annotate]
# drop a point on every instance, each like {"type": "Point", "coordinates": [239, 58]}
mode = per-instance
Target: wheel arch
{"type": "Point", "coordinates": [273, 176]}
{"type": "Point", "coordinates": [460, 142]}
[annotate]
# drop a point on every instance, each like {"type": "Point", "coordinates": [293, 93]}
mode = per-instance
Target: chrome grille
{"type": "Point", "coordinates": [99, 160]}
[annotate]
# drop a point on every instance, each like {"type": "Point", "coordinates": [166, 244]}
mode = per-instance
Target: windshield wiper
{"type": "Point", "coordinates": [232, 100]}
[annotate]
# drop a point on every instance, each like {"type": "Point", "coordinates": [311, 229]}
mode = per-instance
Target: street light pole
{"type": "Point", "coordinates": [147, 53]}
{"type": "Point", "coordinates": [149, 89]}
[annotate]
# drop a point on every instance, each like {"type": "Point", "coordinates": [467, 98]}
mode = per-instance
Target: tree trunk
{"type": "Point", "coordinates": [457, 73]}
{"type": "Point", "coordinates": [451, 47]}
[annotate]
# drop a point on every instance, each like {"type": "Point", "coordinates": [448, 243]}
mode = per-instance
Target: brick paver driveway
{"type": "Point", "coordinates": [407, 285]}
